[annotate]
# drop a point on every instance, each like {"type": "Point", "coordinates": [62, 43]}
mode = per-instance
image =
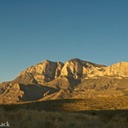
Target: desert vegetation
{"type": "Point", "coordinates": [87, 113]}
{"type": "Point", "coordinates": [44, 119]}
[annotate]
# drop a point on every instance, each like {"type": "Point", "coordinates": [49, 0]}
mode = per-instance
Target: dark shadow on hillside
{"type": "Point", "coordinates": [35, 92]}
{"type": "Point", "coordinates": [43, 115]}
{"type": "Point", "coordinates": [51, 105]}
{"type": "Point", "coordinates": [62, 106]}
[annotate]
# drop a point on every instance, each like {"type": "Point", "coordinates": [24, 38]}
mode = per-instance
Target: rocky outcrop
{"type": "Point", "coordinates": [41, 73]}
{"type": "Point", "coordinates": [47, 71]}
{"type": "Point", "coordinates": [77, 68]}
{"type": "Point", "coordinates": [10, 93]}
{"type": "Point", "coordinates": [51, 80]}
{"type": "Point", "coordinates": [118, 69]}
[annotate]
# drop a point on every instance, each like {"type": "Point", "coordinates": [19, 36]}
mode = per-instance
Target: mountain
{"type": "Point", "coordinates": [74, 79]}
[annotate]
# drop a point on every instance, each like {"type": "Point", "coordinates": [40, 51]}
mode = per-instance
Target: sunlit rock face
{"type": "Point", "coordinates": [72, 68]}
{"type": "Point", "coordinates": [77, 68]}
{"type": "Point", "coordinates": [118, 69]}
{"type": "Point", "coordinates": [47, 71]}
{"type": "Point", "coordinates": [42, 72]}
{"type": "Point", "coordinates": [73, 79]}
{"type": "Point", "coordinates": [10, 93]}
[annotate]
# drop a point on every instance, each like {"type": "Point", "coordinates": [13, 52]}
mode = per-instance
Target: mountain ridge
{"type": "Point", "coordinates": [76, 78]}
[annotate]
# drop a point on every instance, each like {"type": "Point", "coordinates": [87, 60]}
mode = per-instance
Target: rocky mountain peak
{"type": "Point", "coordinates": [41, 72]}
{"type": "Point", "coordinates": [77, 68]}
{"type": "Point", "coordinates": [118, 69]}
{"type": "Point", "coordinates": [52, 80]}
{"type": "Point", "coordinates": [47, 71]}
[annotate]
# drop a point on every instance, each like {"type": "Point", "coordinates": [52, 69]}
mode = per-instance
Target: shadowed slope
{"type": "Point", "coordinates": [74, 79]}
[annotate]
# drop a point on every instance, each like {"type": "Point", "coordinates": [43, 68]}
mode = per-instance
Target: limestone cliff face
{"type": "Point", "coordinates": [72, 68]}
{"type": "Point", "coordinates": [51, 80]}
{"type": "Point", "coordinates": [118, 69]}
{"type": "Point", "coordinates": [48, 71]}
{"type": "Point", "coordinates": [10, 92]}
{"type": "Point", "coordinates": [40, 73]}
{"type": "Point", "coordinates": [77, 68]}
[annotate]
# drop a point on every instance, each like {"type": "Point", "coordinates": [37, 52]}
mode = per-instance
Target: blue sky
{"type": "Point", "coordinates": [58, 30]}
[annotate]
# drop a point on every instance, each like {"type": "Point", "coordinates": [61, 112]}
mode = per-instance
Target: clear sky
{"type": "Point", "coordinates": [58, 30]}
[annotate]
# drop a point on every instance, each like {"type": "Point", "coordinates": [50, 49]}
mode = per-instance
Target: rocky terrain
{"type": "Point", "coordinates": [74, 79]}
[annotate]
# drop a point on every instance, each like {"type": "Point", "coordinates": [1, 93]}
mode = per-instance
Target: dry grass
{"type": "Point", "coordinates": [87, 113]}
{"type": "Point", "coordinates": [42, 119]}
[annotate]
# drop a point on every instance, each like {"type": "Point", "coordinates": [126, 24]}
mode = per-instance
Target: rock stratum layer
{"type": "Point", "coordinates": [74, 79]}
